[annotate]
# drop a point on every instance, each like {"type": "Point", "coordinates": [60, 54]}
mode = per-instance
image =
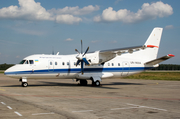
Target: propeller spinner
{"type": "Point", "coordinates": [81, 58]}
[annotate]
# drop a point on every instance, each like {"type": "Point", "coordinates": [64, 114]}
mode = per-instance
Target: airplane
{"type": "Point", "coordinates": [93, 66]}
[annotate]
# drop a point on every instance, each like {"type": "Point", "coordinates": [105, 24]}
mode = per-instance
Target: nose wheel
{"type": "Point", "coordinates": [24, 82]}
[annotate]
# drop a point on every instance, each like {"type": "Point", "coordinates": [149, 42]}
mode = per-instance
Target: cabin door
{"type": "Point", "coordinates": [125, 68]}
{"type": "Point", "coordinates": [50, 65]}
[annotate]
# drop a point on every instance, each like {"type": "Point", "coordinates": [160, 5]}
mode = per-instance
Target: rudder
{"type": "Point", "coordinates": [153, 43]}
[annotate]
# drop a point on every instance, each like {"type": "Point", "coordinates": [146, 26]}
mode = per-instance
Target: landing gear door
{"type": "Point", "coordinates": [31, 62]}
{"type": "Point", "coordinates": [125, 68]}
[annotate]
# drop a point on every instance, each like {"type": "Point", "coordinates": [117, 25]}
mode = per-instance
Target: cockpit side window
{"type": "Point", "coordinates": [31, 61]}
{"type": "Point", "coordinates": [27, 62]}
{"type": "Point", "coordinates": [22, 62]}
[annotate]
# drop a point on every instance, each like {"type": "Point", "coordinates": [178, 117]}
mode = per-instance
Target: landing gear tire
{"type": "Point", "coordinates": [24, 84]}
{"type": "Point", "coordinates": [83, 82]}
{"type": "Point", "coordinates": [97, 83]}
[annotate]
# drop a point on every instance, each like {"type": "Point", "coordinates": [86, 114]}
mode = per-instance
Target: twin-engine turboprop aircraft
{"type": "Point", "coordinates": [91, 66]}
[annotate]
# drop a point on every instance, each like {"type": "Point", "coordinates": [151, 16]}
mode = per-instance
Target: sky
{"type": "Point", "coordinates": [30, 27]}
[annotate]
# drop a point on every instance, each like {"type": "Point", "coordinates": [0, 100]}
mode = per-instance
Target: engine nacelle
{"type": "Point", "coordinates": [98, 58]}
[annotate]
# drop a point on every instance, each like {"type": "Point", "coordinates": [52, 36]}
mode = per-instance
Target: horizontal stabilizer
{"type": "Point", "coordinates": [158, 60]}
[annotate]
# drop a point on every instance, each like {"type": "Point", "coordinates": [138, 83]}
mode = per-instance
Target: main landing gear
{"type": "Point", "coordinates": [96, 83]}
{"type": "Point", "coordinates": [24, 82]}
{"type": "Point", "coordinates": [83, 82]}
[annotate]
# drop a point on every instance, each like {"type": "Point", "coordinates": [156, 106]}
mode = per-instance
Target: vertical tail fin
{"type": "Point", "coordinates": [153, 43]}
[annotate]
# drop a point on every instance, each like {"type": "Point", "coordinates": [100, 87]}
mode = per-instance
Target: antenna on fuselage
{"type": "Point", "coordinates": [52, 50]}
{"type": "Point", "coordinates": [57, 53]}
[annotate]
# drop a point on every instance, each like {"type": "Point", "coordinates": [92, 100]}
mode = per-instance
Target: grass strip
{"type": "Point", "coordinates": [171, 76]}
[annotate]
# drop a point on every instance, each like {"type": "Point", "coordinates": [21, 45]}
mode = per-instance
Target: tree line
{"type": "Point", "coordinates": [5, 66]}
{"type": "Point", "coordinates": [161, 67]}
{"type": "Point", "coordinates": [167, 67]}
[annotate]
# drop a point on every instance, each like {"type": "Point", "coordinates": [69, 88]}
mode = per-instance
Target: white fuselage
{"type": "Point", "coordinates": [64, 67]}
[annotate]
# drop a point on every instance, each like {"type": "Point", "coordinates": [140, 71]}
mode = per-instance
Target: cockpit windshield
{"type": "Point", "coordinates": [22, 62]}
{"type": "Point", "coordinates": [27, 62]}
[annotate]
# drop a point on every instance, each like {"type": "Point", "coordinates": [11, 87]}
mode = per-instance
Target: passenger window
{"type": "Point", "coordinates": [62, 63]}
{"type": "Point", "coordinates": [118, 64]}
{"type": "Point", "coordinates": [55, 63]}
{"type": "Point", "coordinates": [50, 63]}
{"type": "Point", "coordinates": [112, 64]}
{"type": "Point", "coordinates": [31, 61]}
{"type": "Point", "coordinates": [67, 63]}
{"type": "Point", "coordinates": [108, 64]}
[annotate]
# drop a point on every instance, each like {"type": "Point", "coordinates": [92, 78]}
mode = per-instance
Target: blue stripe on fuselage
{"type": "Point", "coordinates": [77, 70]}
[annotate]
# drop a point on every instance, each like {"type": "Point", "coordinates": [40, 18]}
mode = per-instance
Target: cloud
{"type": "Point", "coordinates": [147, 12]}
{"type": "Point", "coordinates": [33, 11]}
{"type": "Point", "coordinates": [94, 41]}
{"type": "Point", "coordinates": [169, 27]}
{"type": "Point", "coordinates": [117, 1]}
{"type": "Point", "coordinates": [17, 56]}
{"type": "Point", "coordinates": [114, 41]}
{"type": "Point", "coordinates": [29, 32]}
{"type": "Point", "coordinates": [68, 19]}
{"type": "Point", "coordinates": [75, 10]}
{"type": "Point", "coordinates": [28, 10]}
{"type": "Point", "coordinates": [69, 39]}
{"type": "Point", "coordinates": [9, 42]}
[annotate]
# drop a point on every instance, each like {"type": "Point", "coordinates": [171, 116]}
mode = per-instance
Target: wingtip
{"type": "Point", "coordinates": [171, 55]}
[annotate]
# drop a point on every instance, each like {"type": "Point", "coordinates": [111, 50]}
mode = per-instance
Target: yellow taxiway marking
{"type": "Point", "coordinates": [2, 89]}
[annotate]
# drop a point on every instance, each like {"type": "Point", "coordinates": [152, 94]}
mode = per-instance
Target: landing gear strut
{"type": "Point", "coordinates": [24, 82]}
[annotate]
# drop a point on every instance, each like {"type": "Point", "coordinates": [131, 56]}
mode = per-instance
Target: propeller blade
{"type": "Point", "coordinates": [86, 51]}
{"type": "Point", "coordinates": [82, 69]}
{"type": "Point", "coordinates": [77, 51]}
{"type": "Point", "coordinates": [85, 60]}
{"type": "Point", "coordinates": [81, 47]}
{"type": "Point", "coordinates": [77, 63]}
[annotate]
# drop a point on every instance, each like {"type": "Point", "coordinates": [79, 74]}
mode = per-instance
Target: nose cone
{"type": "Point", "coordinates": [10, 71]}
{"type": "Point", "coordinates": [7, 72]}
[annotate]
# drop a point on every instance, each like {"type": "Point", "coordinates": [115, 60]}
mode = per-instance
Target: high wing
{"type": "Point", "coordinates": [119, 51]}
{"type": "Point", "coordinates": [158, 60]}
{"type": "Point", "coordinates": [102, 56]}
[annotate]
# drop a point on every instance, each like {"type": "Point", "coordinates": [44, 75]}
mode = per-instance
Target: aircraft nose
{"type": "Point", "coordinates": [6, 71]}
{"type": "Point", "coordinates": [9, 71]}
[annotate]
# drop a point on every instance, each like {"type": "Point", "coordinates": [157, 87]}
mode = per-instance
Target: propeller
{"type": "Point", "coordinates": [81, 58]}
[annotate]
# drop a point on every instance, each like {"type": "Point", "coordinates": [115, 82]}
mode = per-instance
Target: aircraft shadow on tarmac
{"type": "Point", "coordinates": [43, 83]}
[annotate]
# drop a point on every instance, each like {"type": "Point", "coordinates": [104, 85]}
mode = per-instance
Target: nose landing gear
{"type": "Point", "coordinates": [24, 82]}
